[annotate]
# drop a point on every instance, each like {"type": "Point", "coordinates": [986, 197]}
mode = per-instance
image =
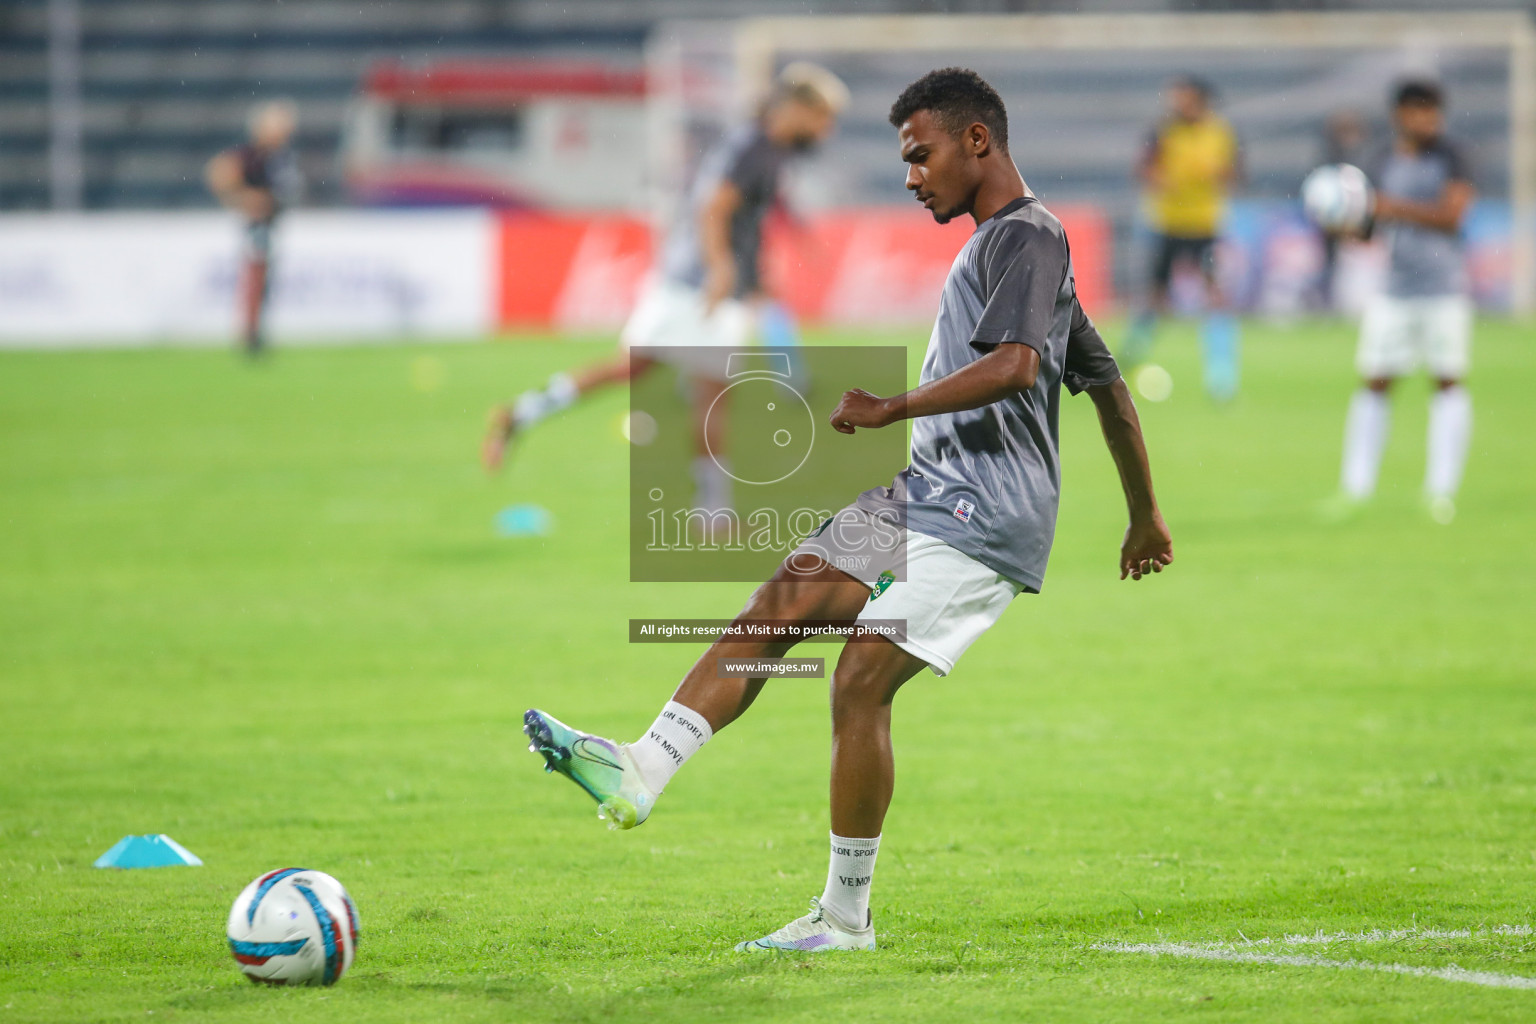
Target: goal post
{"type": "Point", "coordinates": [755, 47]}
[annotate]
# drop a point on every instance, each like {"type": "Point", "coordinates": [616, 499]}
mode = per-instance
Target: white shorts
{"type": "Point", "coordinates": [946, 598]}
{"type": "Point", "coordinates": [672, 314]}
{"type": "Point", "coordinates": [1397, 335]}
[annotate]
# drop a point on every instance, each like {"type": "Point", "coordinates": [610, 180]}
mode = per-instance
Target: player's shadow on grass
{"type": "Point", "coordinates": [719, 988]}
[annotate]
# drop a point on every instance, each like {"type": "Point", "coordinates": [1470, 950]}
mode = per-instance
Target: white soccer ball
{"type": "Point", "coordinates": [293, 927]}
{"type": "Point", "coordinates": [1338, 197]}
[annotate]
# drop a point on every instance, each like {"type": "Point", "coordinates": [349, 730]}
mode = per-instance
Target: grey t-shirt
{"type": "Point", "coordinates": [986, 480]}
{"type": "Point", "coordinates": [749, 160]}
{"type": "Point", "coordinates": [1422, 261]}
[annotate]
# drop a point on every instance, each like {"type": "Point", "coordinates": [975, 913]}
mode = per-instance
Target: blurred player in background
{"type": "Point", "coordinates": [1423, 189]}
{"type": "Point", "coordinates": [974, 513]}
{"type": "Point", "coordinates": [258, 179]}
{"type": "Point", "coordinates": [709, 278]}
{"type": "Point", "coordinates": [1189, 164]}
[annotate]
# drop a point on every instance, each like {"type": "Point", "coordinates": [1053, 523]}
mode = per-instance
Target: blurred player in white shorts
{"type": "Point", "coordinates": [1424, 316]}
{"type": "Point", "coordinates": [708, 277]}
{"type": "Point", "coordinates": [670, 313]}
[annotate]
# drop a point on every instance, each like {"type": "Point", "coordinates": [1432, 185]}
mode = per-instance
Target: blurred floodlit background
{"type": "Point", "coordinates": [474, 168]}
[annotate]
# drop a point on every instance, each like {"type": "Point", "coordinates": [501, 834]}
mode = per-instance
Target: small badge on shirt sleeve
{"type": "Point", "coordinates": [963, 511]}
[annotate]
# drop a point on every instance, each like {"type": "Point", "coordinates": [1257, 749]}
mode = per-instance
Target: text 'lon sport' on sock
{"type": "Point", "coordinates": [675, 736]}
{"type": "Point", "coordinates": [849, 875]}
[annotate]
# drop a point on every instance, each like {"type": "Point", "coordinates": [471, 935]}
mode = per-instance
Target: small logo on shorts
{"type": "Point", "coordinates": [963, 511]}
{"type": "Point", "coordinates": [882, 583]}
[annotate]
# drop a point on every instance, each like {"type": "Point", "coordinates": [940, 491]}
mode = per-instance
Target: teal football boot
{"type": "Point", "coordinates": [601, 767]}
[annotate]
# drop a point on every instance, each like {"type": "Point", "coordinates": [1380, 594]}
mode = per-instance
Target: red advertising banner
{"type": "Point", "coordinates": [569, 273]}
{"type": "Point", "coordinates": [867, 267]}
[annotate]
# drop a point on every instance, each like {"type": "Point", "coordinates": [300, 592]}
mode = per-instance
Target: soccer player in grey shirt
{"type": "Point", "coordinates": [973, 514]}
{"type": "Point", "coordinates": [1423, 188]}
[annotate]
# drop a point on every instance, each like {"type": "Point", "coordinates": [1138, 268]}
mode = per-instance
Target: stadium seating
{"type": "Point", "coordinates": [168, 82]}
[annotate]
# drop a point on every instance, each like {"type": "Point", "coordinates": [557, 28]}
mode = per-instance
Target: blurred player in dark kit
{"type": "Point", "coordinates": [257, 179]}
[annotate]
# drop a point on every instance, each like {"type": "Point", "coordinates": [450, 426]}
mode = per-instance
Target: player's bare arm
{"type": "Point", "coordinates": [1148, 545]}
{"type": "Point", "coordinates": [226, 182]}
{"type": "Point", "coordinates": [715, 240]}
{"type": "Point", "coordinates": [1445, 214]}
{"type": "Point", "coordinates": [1007, 370]}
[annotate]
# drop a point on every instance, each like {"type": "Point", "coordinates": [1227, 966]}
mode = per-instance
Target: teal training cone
{"type": "Point", "coordinates": [524, 521]}
{"type": "Point", "coordinates": [157, 851]}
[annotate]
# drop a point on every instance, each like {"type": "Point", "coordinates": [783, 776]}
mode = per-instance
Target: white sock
{"type": "Point", "coordinates": [1365, 438]}
{"type": "Point", "coordinates": [848, 876]}
{"type": "Point", "coordinates": [533, 406]}
{"type": "Point", "coordinates": [561, 390]}
{"type": "Point", "coordinates": [712, 484]}
{"type": "Point", "coordinates": [1450, 434]}
{"type": "Point", "coordinates": [675, 736]}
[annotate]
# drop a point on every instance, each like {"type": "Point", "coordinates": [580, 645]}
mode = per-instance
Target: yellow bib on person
{"type": "Point", "coordinates": [1194, 162]}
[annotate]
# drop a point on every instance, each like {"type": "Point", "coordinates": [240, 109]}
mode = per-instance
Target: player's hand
{"type": "Point", "coordinates": [859, 408]}
{"type": "Point", "coordinates": [719, 283]}
{"type": "Point", "coordinates": [1148, 547]}
{"type": "Point", "coordinates": [256, 204]}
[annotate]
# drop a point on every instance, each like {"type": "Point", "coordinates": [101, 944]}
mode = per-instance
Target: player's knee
{"type": "Point", "coordinates": [1447, 383]}
{"type": "Point", "coordinates": [785, 596]}
{"type": "Point", "coordinates": [855, 695]}
{"type": "Point", "coordinates": [1380, 385]}
{"type": "Point", "coordinates": [859, 689]}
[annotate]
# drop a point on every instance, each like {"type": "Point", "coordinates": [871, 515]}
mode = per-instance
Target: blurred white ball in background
{"type": "Point", "coordinates": [1338, 197]}
{"type": "Point", "coordinates": [1153, 382]}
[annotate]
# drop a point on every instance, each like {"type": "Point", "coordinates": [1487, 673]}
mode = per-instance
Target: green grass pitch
{"type": "Point", "coordinates": [263, 609]}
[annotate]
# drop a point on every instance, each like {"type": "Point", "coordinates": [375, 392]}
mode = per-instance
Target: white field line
{"type": "Point", "coordinates": [1226, 952]}
{"type": "Point", "coordinates": [1377, 935]}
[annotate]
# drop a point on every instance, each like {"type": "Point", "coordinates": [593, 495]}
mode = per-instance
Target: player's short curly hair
{"type": "Point", "coordinates": [1419, 92]}
{"type": "Point", "coordinates": [957, 98]}
{"type": "Point", "coordinates": [1194, 83]}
